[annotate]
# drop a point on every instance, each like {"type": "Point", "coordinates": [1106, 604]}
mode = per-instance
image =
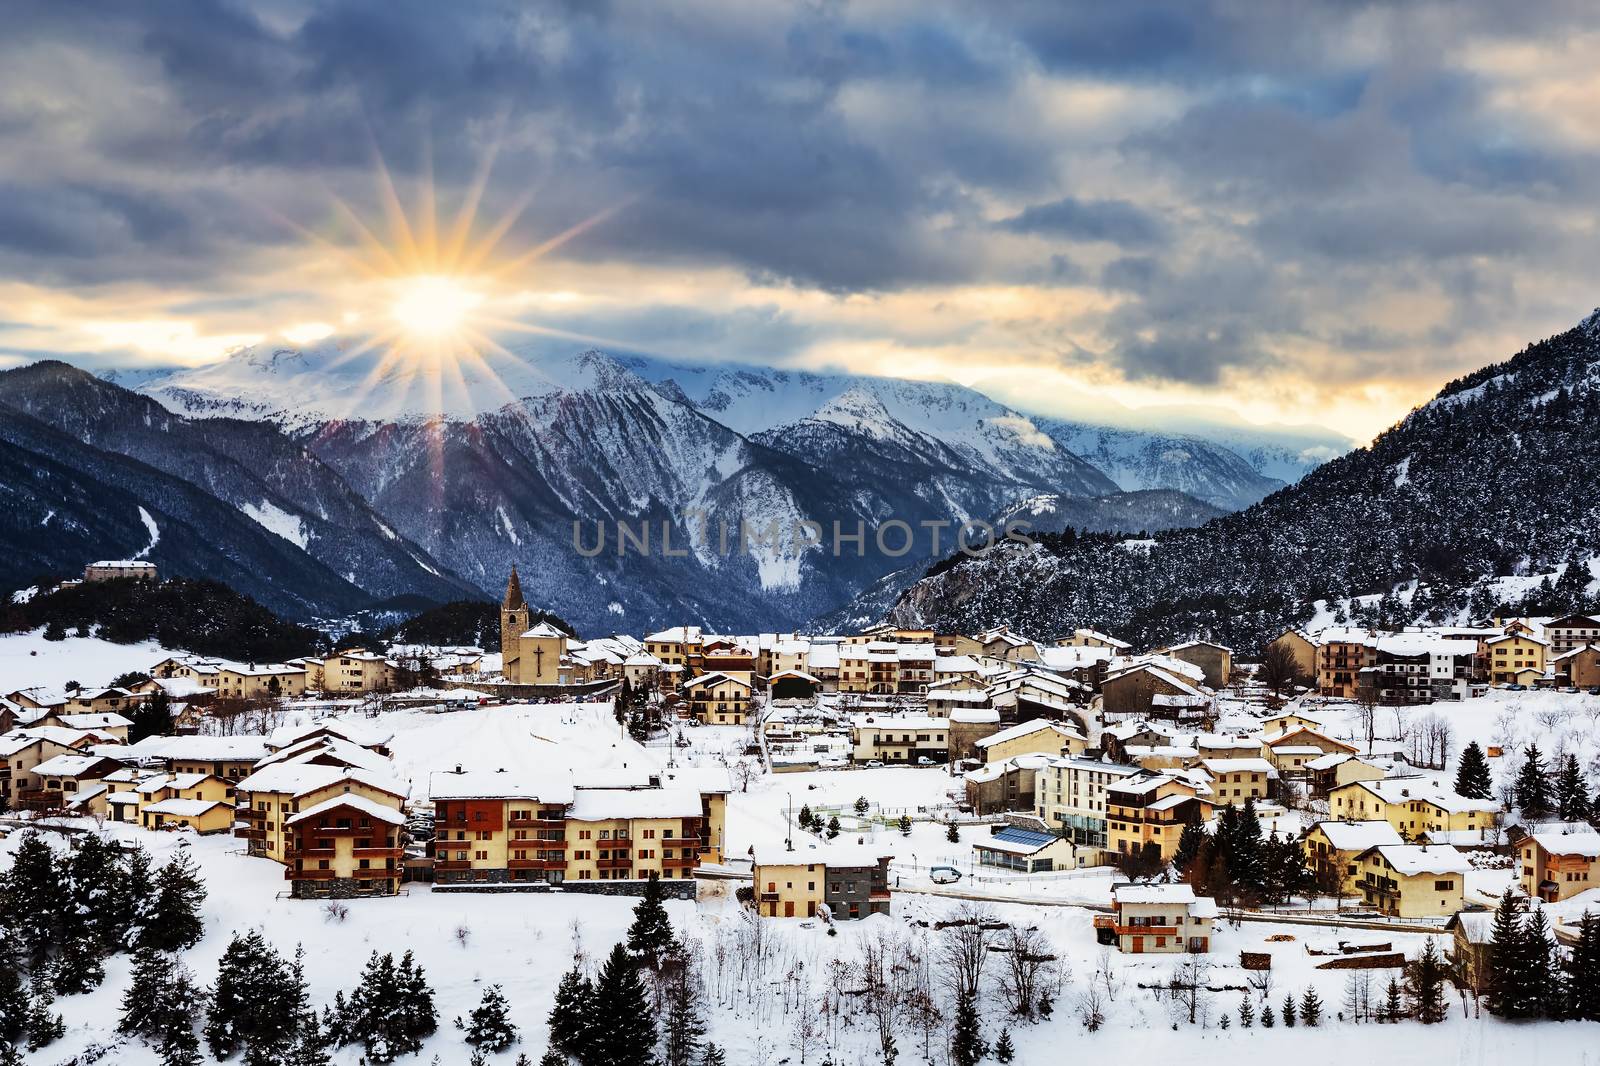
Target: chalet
{"type": "Point", "coordinates": [1333, 848]}
{"type": "Point", "coordinates": [900, 739]}
{"type": "Point", "coordinates": [1555, 866]}
{"type": "Point", "coordinates": [847, 880]}
{"type": "Point", "coordinates": [1001, 643]}
{"type": "Point", "coordinates": [1292, 751]}
{"type": "Point", "coordinates": [1148, 691]}
{"type": "Point", "coordinates": [1412, 880]}
{"type": "Point", "coordinates": [63, 777]}
{"type": "Point", "coordinates": [268, 798]}
{"type": "Point", "coordinates": [1341, 655]}
{"type": "Point", "coordinates": [718, 698]}
{"type": "Point", "coordinates": [103, 723]}
{"type": "Point", "coordinates": [1236, 780]}
{"type": "Point", "coordinates": [345, 846]}
{"type": "Point", "coordinates": [1157, 918]}
{"type": "Point", "coordinates": [21, 752]}
{"type": "Point", "coordinates": [373, 739]}
{"type": "Point", "coordinates": [229, 757]}
{"type": "Point", "coordinates": [1328, 772]}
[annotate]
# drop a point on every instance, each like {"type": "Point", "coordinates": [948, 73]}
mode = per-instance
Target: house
{"type": "Point", "coordinates": [1215, 659]}
{"type": "Point", "coordinates": [1089, 638]}
{"type": "Point", "coordinates": [21, 752]}
{"type": "Point", "coordinates": [1571, 631]}
{"type": "Point", "coordinates": [1555, 865]}
{"type": "Point", "coordinates": [1302, 648]}
{"type": "Point", "coordinates": [1412, 880]}
{"type": "Point", "coordinates": [1332, 849]}
{"type": "Point", "coordinates": [1037, 736]}
{"type": "Point", "coordinates": [718, 698]}
{"type": "Point", "coordinates": [1026, 850]}
{"type": "Point", "coordinates": [1157, 918]}
{"type": "Point", "coordinates": [1412, 805]}
{"type": "Point", "coordinates": [1341, 655]}
{"type": "Point", "coordinates": [1007, 785]}
{"type": "Point", "coordinates": [105, 723]}
{"type": "Point", "coordinates": [1001, 643]}
{"type": "Point", "coordinates": [1152, 809]}
{"type": "Point", "coordinates": [268, 798]}
{"type": "Point", "coordinates": [1512, 655]}
{"type": "Point", "coordinates": [1071, 793]}
{"type": "Point", "coordinates": [849, 880]}
{"type": "Point", "coordinates": [969, 722]}
{"type": "Point", "coordinates": [900, 739]}
{"type": "Point", "coordinates": [1579, 667]}
{"type": "Point", "coordinates": [120, 570]}
{"type": "Point", "coordinates": [1291, 752]}
{"type": "Point", "coordinates": [266, 681]}
{"type": "Point", "coordinates": [1236, 780]}
{"type": "Point", "coordinates": [357, 670]}
{"type": "Point", "coordinates": [345, 846]}
{"type": "Point", "coordinates": [201, 816]}
{"type": "Point", "coordinates": [1147, 691]}
{"type": "Point", "coordinates": [1472, 946]}
{"type": "Point", "coordinates": [63, 777]}
{"type": "Point", "coordinates": [230, 758]}
{"type": "Point", "coordinates": [1328, 772]}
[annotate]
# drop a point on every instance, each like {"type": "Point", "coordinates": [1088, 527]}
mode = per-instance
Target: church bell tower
{"type": "Point", "coordinates": [513, 623]}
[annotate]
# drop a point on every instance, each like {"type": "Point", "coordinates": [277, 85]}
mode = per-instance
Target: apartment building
{"type": "Point", "coordinates": [850, 880]}
{"type": "Point", "coordinates": [718, 698]}
{"type": "Point", "coordinates": [345, 846]}
{"type": "Point", "coordinates": [1152, 809]}
{"type": "Point", "coordinates": [1236, 780]}
{"type": "Point", "coordinates": [1571, 631]}
{"type": "Point", "coordinates": [267, 799]}
{"type": "Point", "coordinates": [1341, 656]}
{"type": "Point", "coordinates": [1412, 805]}
{"type": "Point", "coordinates": [1071, 793]}
{"type": "Point", "coordinates": [900, 739]}
{"type": "Point", "coordinates": [1333, 848]}
{"type": "Point", "coordinates": [1516, 658]}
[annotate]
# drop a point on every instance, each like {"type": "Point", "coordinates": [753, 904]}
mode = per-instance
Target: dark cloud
{"type": "Point", "coordinates": [1113, 221]}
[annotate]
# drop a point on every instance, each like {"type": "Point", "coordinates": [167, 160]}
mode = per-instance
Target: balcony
{"type": "Point", "coordinates": [377, 853]}
{"type": "Point", "coordinates": [1145, 930]}
{"type": "Point", "coordinates": [614, 864]}
{"type": "Point", "coordinates": [452, 864]}
{"type": "Point", "coordinates": [685, 863]}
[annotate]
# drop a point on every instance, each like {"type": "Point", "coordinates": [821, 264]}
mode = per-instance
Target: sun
{"type": "Point", "coordinates": [433, 307]}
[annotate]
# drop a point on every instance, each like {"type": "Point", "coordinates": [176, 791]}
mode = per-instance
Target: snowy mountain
{"type": "Point", "coordinates": [1494, 478]}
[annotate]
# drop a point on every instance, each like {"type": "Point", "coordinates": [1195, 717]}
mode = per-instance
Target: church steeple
{"type": "Point", "coordinates": [514, 600]}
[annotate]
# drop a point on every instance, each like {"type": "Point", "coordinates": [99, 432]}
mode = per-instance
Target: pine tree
{"type": "Point", "coordinates": [905, 825]}
{"type": "Point", "coordinates": [92, 869]}
{"type": "Point", "coordinates": [628, 1035]}
{"type": "Point", "coordinates": [79, 968]}
{"type": "Point", "coordinates": [1288, 1011]}
{"type": "Point", "coordinates": [1572, 799]}
{"type": "Point", "coordinates": [862, 806]}
{"type": "Point", "coordinates": [311, 1043]}
{"type": "Point", "coordinates": [650, 938]}
{"type": "Point", "coordinates": [1189, 847]}
{"type": "Point", "coordinates": [1583, 973]}
{"type": "Point", "coordinates": [180, 1047]}
{"type": "Point", "coordinates": [833, 827]}
{"type": "Point", "coordinates": [682, 1026]}
{"type": "Point", "coordinates": [1393, 1006]}
{"type": "Point", "coordinates": [966, 1041]}
{"type": "Point", "coordinates": [1004, 1052]}
{"type": "Point", "coordinates": [175, 922]}
{"type": "Point", "coordinates": [390, 1012]}
{"type": "Point", "coordinates": [132, 898]}
{"type": "Point", "coordinates": [1473, 779]}
{"type": "Point", "coordinates": [44, 1026]}
{"type": "Point", "coordinates": [144, 1004]}
{"type": "Point", "coordinates": [13, 1000]}
{"type": "Point", "coordinates": [952, 834]}
{"type": "Point", "coordinates": [1506, 988]}
{"type": "Point", "coordinates": [1247, 1012]}
{"type": "Point", "coordinates": [572, 1017]}
{"type": "Point", "coordinates": [1533, 788]}
{"type": "Point", "coordinates": [33, 895]}
{"type": "Point", "coordinates": [713, 1056]}
{"type": "Point", "coordinates": [1268, 1019]}
{"type": "Point", "coordinates": [256, 1004]}
{"type": "Point", "coordinates": [1546, 992]}
{"type": "Point", "coordinates": [489, 1025]}
{"type": "Point", "coordinates": [805, 816]}
{"type": "Point", "coordinates": [1425, 977]}
{"type": "Point", "coordinates": [1311, 1008]}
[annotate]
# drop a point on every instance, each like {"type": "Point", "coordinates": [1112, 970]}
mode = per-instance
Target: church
{"type": "Point", "coordinates": [530, 654]}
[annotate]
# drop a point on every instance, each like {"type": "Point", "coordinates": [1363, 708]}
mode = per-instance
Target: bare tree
{"type": "Point", "coordinates": [1091, 1007]}
{"type": "Point", "coordinates": [1027, 964]}
{"type": "Point", "coordinates": [808, 1030]}
{"type": "Point", "coordinates": [964, 949]}
{"type": "Point", "coordinates": [1187, 987]}
{"type": "Point", "coordinates": [886, 980]}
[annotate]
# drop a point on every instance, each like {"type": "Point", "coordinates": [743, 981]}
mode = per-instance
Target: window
{"type": "Point", "coordinates": [1444, 886]}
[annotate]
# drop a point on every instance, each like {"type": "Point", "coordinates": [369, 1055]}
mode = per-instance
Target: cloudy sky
{"type": "Point", "coordinates": [1298, 212]}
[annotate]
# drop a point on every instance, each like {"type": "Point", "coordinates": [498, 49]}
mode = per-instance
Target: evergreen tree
{"type": "Point", "coordinates": [1393, 1006]}
{"type": "Point", "coordinates": [311, 1043]}
{"type": "Point", "coordinates": [1546, 991]}
{"type": "Point", "coordinates": [79, 968]}
{"type": "Point", "coordinates": [149, 1003]}
{"type": "Point", "coordinates": [33, 895]}
{"type": "Point", "coordinates": [390, 1012]}
{"type": "Point", "coordinates": [713, 1056]}
{"type": "Point", "coordinates": [44, 1026]}
{"type": "Point", "coordinates": [572, 1017]}
{"type": "Point", "coordinates": [966, 1041]}
{"type": "Point", "coordinates": [1506, 989]}
{"type": "Point", "coordinates": [805, 816]}
{"type": "Point", "coordinates": [13, 999]}
{"type": "Point", "coordinates": [1311, 1008]}
{"type": "Point", "coordinates": [952, 834]}
{"type": "Point", "coordinates": [1572, 798]}
{"type": "Point", "coordinates": [1473, 779]}
{"type": "Point", "coordinates": [1288, 1010]}
{"type": "Point", "coordinates": [132, 898]}
{"type": "Point", "coordinates": [489, 1025]}
{"type": "Point", "coordinates": [180, 1047]}
{"type": "Point", "coordinates": [905, 825]}
{"type": "Point", "coordinates": [862, 806]}
{"type": "Point", "coordinates": [1189, 847]}
{"type": "Point", "coordinates": [1268, 1019]}
{"type": "Point", "coordinates": [1533, 788]}
{"type": "Point", "coordinates": [628, 1035]}
{"type": "Point", "coordinates": [1004, 1052]}
{"type": "Point", "coordinates": [1247, 1012]}
{"type": "Point", "coordinates": [151, 717]}
{"type": "Point", "coordinates": [650, 938]}
{"type": "Point", "coordinates": [92, 867]}
{"type": "Point", "coordinates": [682, 1027]}
{"type": "Point", "coordinates": [833, 827]}
{"type": "Point", "coordinates": [1583, 974]}
{"type": "Point", "coordinates": [1425, 978]}
{"type": "Point", "coordinates": [256, 1004]}
{"type": "Point", "coordinates": [175, 922]}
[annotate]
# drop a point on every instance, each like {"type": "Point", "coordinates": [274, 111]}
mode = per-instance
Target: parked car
{"type": "Point", "coordinates": [873, 763]}
{"type": "Point", "coordinates": [1516, 688]}
{"type": "Point", "coordinates": [944, 875]}
{"type": "Point", "coordinates": [923, 760]}
{"type": "Point", "coordinates": [1594, 690]}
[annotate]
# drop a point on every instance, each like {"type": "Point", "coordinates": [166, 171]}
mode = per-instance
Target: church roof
{"type": "Point", "coordinates": [514, 592]}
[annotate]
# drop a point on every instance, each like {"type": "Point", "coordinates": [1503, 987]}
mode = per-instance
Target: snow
{"type": "Point", "coordinates": [28, 660]}
{"type": "Point", "coordinates": [151, 528]}
{"type": "Point", "coordinates": [275, 519]}
{"type": "Point", "coordinates": [360, 803]}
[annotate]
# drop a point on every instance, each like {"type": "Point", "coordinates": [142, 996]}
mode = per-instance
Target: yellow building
{"type": "Point", "coordinates": [345, 846]}
{"type": "Point", "coordinates": [1152, 809]}
{"type": "Point", "coordinates": [718, 698]}
{"type": "Point", "coordinates": [250, 681]}
{"type": "Point", "coordinates": [850, 880]}
{"type": "Point", "coordinates": [1291, 752]}
{"type": "Point", "coordinates": [21, 751]}
{"type": "Point", "coordinates": [357, 670]}
{"type": "Point", "coordinates": [1412, 805]}
{"type": "Point", "coordinates": [900, 739]}
{"type": "Point", "coordinates": [1149, 919]}
{"type": "Point", "coordinates": [266, 800]}
{"type": "Point", "coordinates": [1556, 866]}
{"type": "Point", "coordinates": [1035, 737]}
{"type": "Point", "coordinates": [1510, 655]}
{"type": "Point", "coordinates": [1412, 880]}
{"type": "Point", "coordinates": [1302, 648]}
{"type": "Point", "coordinates": [1333, 848]}
{"type": "Point", "coordinates": [1236, 780]}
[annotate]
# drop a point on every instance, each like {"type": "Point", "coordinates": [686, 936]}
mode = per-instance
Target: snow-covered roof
{"type": "Point", "coordinates": [197, 748]}
{"type": "Point", "coordinates": [94, 720]}
{"type": "Point", "coordinates": [1412, 859]}
{"type": "Point", "coordinates": [1128, 893]}
{"type": "Point", "coordinates": [1358, 836]}
{"type": "Point", "coordinates": [360, 803]}
{"type": "Point", "coordinates": [909, 721]}
{"type": "Point", "coordinates": [67, 765]}
{"type": "Point", "coordinates": [601, 804]}
{"type": "Point", "coordinates": [1091, 634]}
{"type": "Point", "coordinates": [300, 778]}
{"type": "Point", "coordinates": [838, 856]}
{"type": "Point", "coordinates": [182, 808]}
{"type": "Point", "coordinates": [1586, 845]}
{"type": "Point", "coordinates": [975, 715]}
{"type": "Point", "coordinates": [1237, 766]}
{"type": "Point", "coordinates": [544, 784]}
{"type": "Point", "coordinates": [1199, 644]}
{"type": "Point", "coordinates": [1028, 729]}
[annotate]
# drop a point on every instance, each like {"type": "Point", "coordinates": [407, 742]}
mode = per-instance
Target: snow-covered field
{"type": "Point", "coordinates": [27, 660]}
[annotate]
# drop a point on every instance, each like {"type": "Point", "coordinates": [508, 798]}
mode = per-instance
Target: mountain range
{"type": "Point", "coordinates": [326, 479]}
{"type": "Point", "coordinates": [1480, 500]}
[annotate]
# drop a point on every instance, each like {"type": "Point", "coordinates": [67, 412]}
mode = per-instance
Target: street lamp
{"type": "Point", "coordinates": [788, 829]}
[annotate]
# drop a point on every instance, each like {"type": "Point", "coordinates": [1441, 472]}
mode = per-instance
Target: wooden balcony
{"type": "Point", "coordinates": [1146, 930]}
{"type": "Point", "coordinates": [377, 853]}
{"type": "Point", "coordinates": [614, 864]}
{"type": "Point", "coordinates": [452, 864]}
{"type": "Point", "coordinates": [687, 862]}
